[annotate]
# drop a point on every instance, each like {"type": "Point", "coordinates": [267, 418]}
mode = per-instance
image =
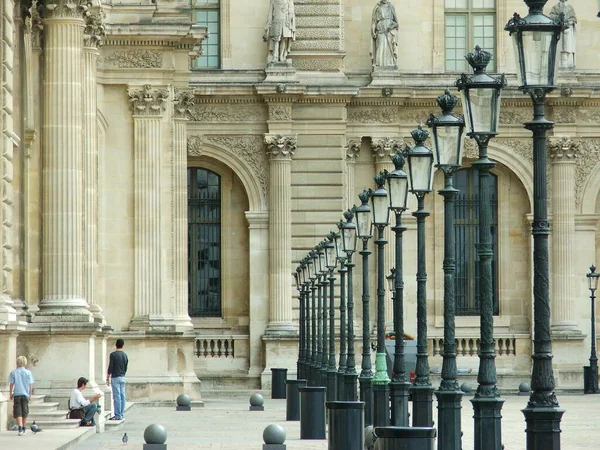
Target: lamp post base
{"type": "Point", "coordinates": [340, 386]}
{"type": "Point", "coordinates": [543, 428]}
{"type": "Point", "coordinates": [366, 396]}
{"type": "Point", "coordinates": [488, 424]}
{"type": "Point", "coordinates": [350, 386]}
{"type": "Point", "coordinates": [422, 399]}
{"type": "Point", "coordinates": [449, 424]}
{"type": "Point", "coordinates": [323, 376]}
{"type": "Point", "coordinates": [399, 395]}
{"type": "Point", "coordinates": [331, 385]}
{"type": "Point", "coordinates": [381, 405]}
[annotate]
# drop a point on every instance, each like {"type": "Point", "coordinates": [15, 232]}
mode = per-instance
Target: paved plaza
{"type": "Point", "coordinates": [224, 423]}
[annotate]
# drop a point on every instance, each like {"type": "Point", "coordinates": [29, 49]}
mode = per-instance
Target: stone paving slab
{"type": "Point", "coordinates": [226, 424]}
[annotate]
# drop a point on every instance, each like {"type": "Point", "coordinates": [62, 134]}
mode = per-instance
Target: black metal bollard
{"type": "Point", "coordinates": [278, 377]}
{"type": "Point", "coordinates": [346, 425]}
{"type": "Point", "coordinates": [292, 405]}
{"type": "Point", "coordinates": [405, 438]}
{"type": "Point", "coordinates": [312, 412]}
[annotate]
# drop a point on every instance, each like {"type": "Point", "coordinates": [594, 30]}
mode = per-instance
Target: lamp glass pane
{"type": "Point", "coordinates": [483, 110]}
{"type": "Point", "coordinates": [446, 145]}
{"type": "Point", "coordinates": [364, 222]}
{"type": "Point", "coordinates": [398, 192]}
{"type": "Point", "coordinates": [337, 241]}
{"type": "Point", "coordinates": [420, 172]}
{"type": "Point", "coordinates": [390, 282]}
{"type": "Point", "coordinates": [322, 264]}
{"type": "Point", "coordinates": [330, 256]}
{"type": "Point", "coordinates": [535, 58]}
{"type": "Point", "coordinates": [311, 270]}
{"type": "Point", "coordinates": [350, 238]}
{"type": "Point", "coordinates": [380, 210]}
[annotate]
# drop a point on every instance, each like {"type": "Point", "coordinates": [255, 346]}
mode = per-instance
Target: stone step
{"type": "Point", "coordinates": [49, 423]}
{"type": "Point", "coordinates": [43, 407]}
{"type": "Point", "coordinates": [46, 415]}
{"type": "Point", "coordinates": [37, 399]}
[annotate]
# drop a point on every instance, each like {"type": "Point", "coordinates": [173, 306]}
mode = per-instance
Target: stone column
{"type": "Point", "coordinates": [382, 151]}
{"type": "Point", "coordinates": [183, 101]}
{"type": "Point", "coordinates": [148, 107]}
{"type": "Point", "coordinates": [352, 152]}
{"type": "Point", "coordinates": [563, 152]}
{"type": "Point", "coordinates": [62, 124]}
{"type": "Point", "coordinates": [93, 33]}
{"type": "Point", "coordinates": [280, 150]}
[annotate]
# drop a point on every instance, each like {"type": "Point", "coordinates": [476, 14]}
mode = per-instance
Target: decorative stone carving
{"type": "Point", "coordinates": [93, 30]}
{"type": "Point", "coordinates": [523, 148]}
{"type": "Point", "coordinates": [280, 112]}
{"type": "Point", "coordinates": [412, 116]}
{"type": "Point", "coordinates": [280, 146]}
{"type": "Point", "coordinates": [280, 29]}
{"type": "Point", "coordinates": [251, 150]}
{"type": "Point", "coordinates": [135, 59]}
{"type": "Point", "coordinates": [562, 148]}
{"type": "Point", "coordinates": [68, 9]}
{"type": "Point", "coordinates": [372, 115]}
{"type": "Point", "coordinates": [195, 145]}
{"type": "Point", "coordinates": [183, 102]}
{"type": "Point", "coordinates": [148, 101]}
{"type": "Point", "coordinates": [384, 36]}
{"type": "Point", "coordinates": [353, 149]}
{"type": "Point", "coordinates": [203, 112]}
{"type": "Point", "coordinates": [568, 42]}
{"type": "Point", "coordinates": [588, 158]}
{"type": "Point", "coordinates": [588, 116]}
{"type": "Point", "coordinates": [470, 151]}
{"type": "Point", "coordinates": [37, 28]}
{"type": "Point", "coordinates": [564, 114]}
{"type": "Point", "coordinates": [384, 148]}
{"type": "Point", "coordinates": [515, 115]}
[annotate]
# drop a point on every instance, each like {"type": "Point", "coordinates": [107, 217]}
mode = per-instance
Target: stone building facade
{"type": "Point", "coordinates": [161, 180]}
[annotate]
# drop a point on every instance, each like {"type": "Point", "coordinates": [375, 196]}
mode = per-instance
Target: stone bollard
{"type": "Point", "coordinates": [346, 425]}
{"type": "Point", "coordinates": [524, 388]}
{"type": "Point", "coordinates": [406, 438]}
{"type": "Point", "coordinates": [257, 402]}
{"type": "Point", "coordinates": [274, 437]}
{"type": "Point", "coordinates": [312, 412]}
{"type": "Point", "coordinates": [467, 388]}
{"type": "Point", "coordinates": [155, 437]}
{"type": "Point", "coordinates": [292, 405]}
{"type": "Point", "coordinates": [184, 403]}
{"type": "Point", "coordinates": [278, 377]}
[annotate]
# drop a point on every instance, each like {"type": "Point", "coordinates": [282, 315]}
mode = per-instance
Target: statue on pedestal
{"type": "Point", "coordinates": [384, 36]}
{"type": "Point", "coordinates": [280, 30]}
{"type": "Point", "coordinates": [567, 44]}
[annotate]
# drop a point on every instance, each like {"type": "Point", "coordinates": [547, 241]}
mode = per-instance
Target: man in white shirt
{"type": "Point", "coordinates": [90, 407]}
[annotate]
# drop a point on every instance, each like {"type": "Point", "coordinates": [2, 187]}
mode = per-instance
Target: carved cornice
{"type": "Point", "coordinates": [93, 31]}
{"type": "Point", "coordinates": [63, 9]}
{"type": "Point", "coordinates": [148, 101]}
{"type": "Point", "coordinates": [183, 102]}
{"type": "Point", "coordinates": [280, 113]}
{"type": "Point", "coordinates": [195, 145]}
{"type": "Point", "coordinates": [135, 59]}
{"type": "Point", "coordinates": [384, 148]}
{"type": "Point", "coordinates": [353, 149]}
{"type": "Point", "coordinates": [562, 149]}
{"type": "Point", "coordinates": [280, 146]}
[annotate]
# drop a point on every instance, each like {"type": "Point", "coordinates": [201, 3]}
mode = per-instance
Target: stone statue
{"type": "Point", "coordinates": [280, 30]}
{"type": "Point", "coordinates": [567, 44]}
{"type": "Point", "coordinates": [384, 35]}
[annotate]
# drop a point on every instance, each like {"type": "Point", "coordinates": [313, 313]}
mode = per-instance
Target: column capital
{"type": "Point", "coordinates": [280, 146]}
{"type": "Point", "coordinates": [63, 9]}
{"type": "Point", "coordinates": [384, 148]}
{"type": "Point", "coordinates": [183, 102]}
{"type": "Point", "coordinates": [147, 101]}
{"type": "Point", "coordinates": [352, 149]}
{"type": "Point", "coordinates": [93, 30]}
{"type": "Point", "coordinates": [563, 149]}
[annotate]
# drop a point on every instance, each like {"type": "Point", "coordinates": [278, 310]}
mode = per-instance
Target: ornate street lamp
{"type": "Point", "coordinates": [312, 276]}
{"type": "Point", "coordinates": [348, 232]}
{"type": "Point", "coordinates": [341, 257]}
{"type": "Point", "coordinates": [447, 142]}
{"type": "Point", "coordinates": [591, 387]}
{"type": "Point", "coordinates": [331, 263]}
{"type": "Point", "coordinates": [480, 95]}
{"type": "Point", "coordinates": [536, 37]}
{"type": "Point", "coordinates": [300, 288]}
{"type": "Point", "coordinates": [319, 262]}
{"type": "Point", "coordinates": [397, 183]}
{"type": "Point", "coordinates": [323, 309]}
{"type": "Point", "coordinates": [420, 165]}
{"type": "Point", "coordinates": [306, 317]}
{"type": "Point", "coordinates": [381, 390]}
{"type": "Point", "coordinates": [364, 225]}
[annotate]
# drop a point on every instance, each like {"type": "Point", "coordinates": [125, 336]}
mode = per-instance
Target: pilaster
{"type": "Point", "coordinates": [352, 154]}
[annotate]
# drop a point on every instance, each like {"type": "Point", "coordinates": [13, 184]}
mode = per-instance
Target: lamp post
{"type": "Point", "coordinates": [312, 319]}
{"type": "Point", "coordinates": [324, 342]}
{"type": "Point", "coordinates": [349, 246]}
{"type": "Point", "coordinates": [364, 230]}
{"type": "Point", "coordinates": [447, 142]}
{"type": "Point", "coordinates": [480, 95]}
{"type": "Point", "coordinates": [331, 262]}
{"type": "Point", "coordinates": [535, 40]}
{"type": "Point", "coordinates": [397, 183]}
{"type": "Point", "coordinates": [319, 258]}
{"type": "Point", "coordinates": [591, 386]}
{"type": "Point", "coordinates": [300, 288]}
{"type": "Point", "coordinates": [420, 164]}
{"type": "Point", "coordinates": [380, 382]}
{"type": "Point", "coordinates": [341, 257]}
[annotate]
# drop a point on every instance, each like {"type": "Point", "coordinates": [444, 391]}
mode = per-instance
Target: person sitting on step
{"type": "Point", "coordinates": [90, 406]}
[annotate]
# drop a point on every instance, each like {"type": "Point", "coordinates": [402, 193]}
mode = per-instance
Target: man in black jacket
{"type": "Point", "coordinates": [117, 368]}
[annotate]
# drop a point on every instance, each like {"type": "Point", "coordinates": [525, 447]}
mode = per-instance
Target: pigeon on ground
{"type": "Point", "coordinates": [34, 428]}
{"type": "Point", "coordinates": [125, 438]}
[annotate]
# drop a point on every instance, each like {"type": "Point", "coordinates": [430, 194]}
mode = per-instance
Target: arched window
{"type": "Point", "coordinates": [204, 243]}
{"type": "Point", "coordinates": [466, 223]}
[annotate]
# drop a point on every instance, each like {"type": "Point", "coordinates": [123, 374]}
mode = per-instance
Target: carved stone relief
{"type": "Point", "coordinates": [195, 145]}
{"type": "Point", "coordinates": [373, 115]}
{"type": "Point", "coordinates": [182, 104]}
{"type": "Point", "coordinates": [63, 8]}
{"type": "Point", "coordinates": [280, 112]}
{"type": "Point", "coordinates": [353, 149]}
{"type": "Point", "coordinates": [515, 115]}
{"type": "Point", "coordinates": [384, 148]}
{"type": "Point", "coordinates": [562, 148]}
{"type": "Point", "coordinates": [587, 160]}
{"type": "Point", "coordinates": [204, 112]}
{"type": "Point", "coordinates": [564, 115]}
{"type": "Point", "coordinates": [135, 59]}
{"type": "Point", "coordinates": [413, 117]}
{"type": "Point", "coordinates": [148, 101]}
{"type": "Point", "coordinates": [93, 30]}
{"type": "Point", "coordinates": [523, 148]}
{"type": "Point", "coordinates": [280, 146]}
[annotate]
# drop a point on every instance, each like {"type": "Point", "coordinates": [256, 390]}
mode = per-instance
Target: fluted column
{"type": "Point", "coordinates": [280, 150]}
{"type": "Point", "coordinates": [148, 107]}
{"type": "Point", "coordinates": [92, 39]}
{"type": "Point", "coordinates": [563, 152]}
{"type": "Point", "coordinates": [352, 153]}
{"type": "Point", "coordinates": [183, 101]}
{"type": "Point", "coordinates": [382, 151]}
{"type": "Point", "coordinates": [62, 215]}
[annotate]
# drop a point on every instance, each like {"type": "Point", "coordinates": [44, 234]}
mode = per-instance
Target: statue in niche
{"type": "Point", "coordinates": [280, 30]}
{"type": "Point", "coordinates": [567, 43]}
{"type": "Point", "coordinates": [384, 36]}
